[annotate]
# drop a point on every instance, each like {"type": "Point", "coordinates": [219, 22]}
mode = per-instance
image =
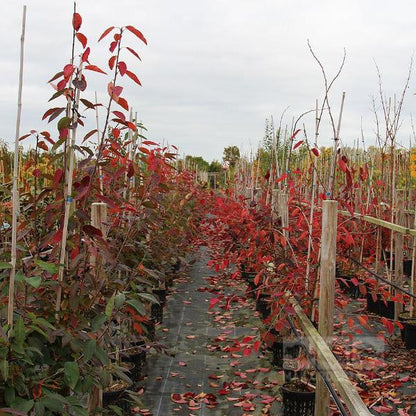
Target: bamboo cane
{"type": "Point", "coordinates": [68, 202]}
{"type": "Point", "coordinates": [15, 202]}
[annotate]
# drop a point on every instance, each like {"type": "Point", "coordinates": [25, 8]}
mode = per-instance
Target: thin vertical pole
{"type": "Point", "coordinates": [15, 202]}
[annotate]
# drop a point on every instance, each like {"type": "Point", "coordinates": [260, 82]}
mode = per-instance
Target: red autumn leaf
{"type": "Point", "coordinates": [122, 67]}
{"type": "Point", "coordinates": [363, 321]}
{"type": "Point", "coordinates": [294, 134]}
{"type": "Point", "coordinates": [82, 38]}
{"type": "Point", "coordinates": [246, 352]}
{"type": "Point", "coordinates": [388, 324]}
{"type": "Point", "coordinates": [256, 345]}
{"type": "Point", "coordinates": [132, 51]}
{"type": "Point", "coordinates": [92, 231]}
{"type": "Point", "coordinates": [57, 177]}
{"type": "Point", "coordinates": [37, 173]}
{"type": "Point", "coordinates": [120, 115]}
{"type": "Point", "coordinates": [76, 21]}
{"type": "Point", "coordinates": [88, 135]}
{"type": "Point", "coordinates": [106, 32]}
{"type": "Point", "coordinates": [47, 137]}
{"type": "Point", "coordinates": [213, 302]}
{"type": "Point", "coordinates": [86, 55]}
{"type": "Point", "coordinates": [24, 137]}
{"type": "Point", "coordinates": [137, 33]}
{"type": "Point", "coordinates": [342, 165]}
{"type": "Point", "coordinates": [42, 145]}
{"type": "Point", "coordinates": [112, 61]}
{"type": "Point", "coordinates": [116, 133]}
{"type": "Point", "coordinates": [113, 46]}
{"type": "Point", "coordinates": [315, 151]}
{"type": "Point", "coordinates": [177, 398]}
{"type": "Point", "coordinates": [114, 91]}
{"type": "Point", "coordinates": [95, 68]}
{"type": "Point", "coordinates": [133, 77]}
{"type": "Point", "coordinates": [61, 84]}
{"type": "Point", "coordinates": [282, 178]}
{"type": "Point", "coordinates": [297, 144]}
{"type": "Point", "coordinates": [123, 103]}
{"type": "Point", "coordinates": [350, 323]}
{"type": "Point", "coordinates": [149, 143]}
{"type": "Point", "coordinates": [131, 126]}
{"type": "Point", "coordinates": [68, 70]}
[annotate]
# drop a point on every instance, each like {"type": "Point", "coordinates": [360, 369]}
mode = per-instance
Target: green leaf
{"type": "Point", "coordinates": [101, 355]}
{"type": "Point", "coordinates": [64, 122]}
{"type": "Point", "coordinates": [19, 333]}
{"type": "Point", "coordinates": [54, 402]}
{"type": "Point", "coordinates": [89, 349]}
{"type": "Point", "coordinates": [120, 299]}
{"type": "Point", "coordinates": [20, 277]}
{"type": "Point", "coordinates": [9, 395]}
{"type": "Point", "coordinates": [117, 410]}
{"type": "Point", "coordinates": [34, 281]}
{"type": "Point", "coordinates": [71, 371]}
{"type": "Point", "coordinates": [22, 404]}
{"type": "Point", "coordinates": [109, 307]}
{"type": "Point", "coordinates": [148, 297]}
{"type": "Point", "coordinates": [97, 322]}
{"type": "Point", "coordinates": [5, 265]}
{"type": "Point", "coordinates": [137, 306]}
{"type": "Point", "coordinates": [48, 267]}
{"type": "Point", "coordinates": [4, 368]}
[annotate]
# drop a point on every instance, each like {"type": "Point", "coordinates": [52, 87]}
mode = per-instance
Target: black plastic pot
{"type": "Point", "coordinates": [380, 307]}
{"type": "Point", "coordinates": [137, 357]}
{"type": "Point", "coordinates": [407, 267]}
{"type": "Point", "coordinates": [160, 295]}
{"type": "Point", "coordinates": [284, 349]}
{"type": "Point", "coordinates": [263, 305]}
{"type": "Point", "coordinates": [117, 397]}
{"type": "Point", "coordinates": [410, 334]}
{"type": "Point", "coordinates": [402, 318]}
{"type": "Point", "coordinates": [157, 312]}
{"type": "Point", "coordinates": [297, 403]}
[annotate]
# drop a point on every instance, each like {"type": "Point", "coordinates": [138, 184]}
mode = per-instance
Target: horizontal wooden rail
{"type": "Point", "coordinates": [330, 364]}
{"type": "Point", "coordinates": [382, 223]}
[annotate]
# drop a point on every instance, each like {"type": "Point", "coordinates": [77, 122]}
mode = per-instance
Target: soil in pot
{"type": "Point", "coordinates": [298, 399]}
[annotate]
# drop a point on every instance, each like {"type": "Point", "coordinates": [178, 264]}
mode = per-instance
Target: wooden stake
{"type": "Point", "coordinates": [15, 201]}
{"type": "Point", "coordinates": [98, 220]}
{"type": "Point", "coordinates": [327, 290]}
{"type": "Point", "coordinates": [68, 203]}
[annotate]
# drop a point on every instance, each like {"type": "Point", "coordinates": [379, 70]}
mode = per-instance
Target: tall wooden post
{"type": "Point", "coordinates": [326, 298]}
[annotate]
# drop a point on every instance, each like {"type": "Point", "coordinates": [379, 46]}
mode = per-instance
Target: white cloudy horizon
{"type": "Point", "coordinates": [214, 71]}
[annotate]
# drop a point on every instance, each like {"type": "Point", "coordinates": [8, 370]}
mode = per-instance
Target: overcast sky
{"type": "Point", "coordinates": [214, 70]}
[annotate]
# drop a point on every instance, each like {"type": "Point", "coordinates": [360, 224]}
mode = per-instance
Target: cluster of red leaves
{"type": "Point", "coordinates": [194, 401]}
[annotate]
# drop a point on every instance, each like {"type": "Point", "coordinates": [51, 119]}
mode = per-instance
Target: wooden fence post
{"type": "Point", "coordinates": [326, 298]}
